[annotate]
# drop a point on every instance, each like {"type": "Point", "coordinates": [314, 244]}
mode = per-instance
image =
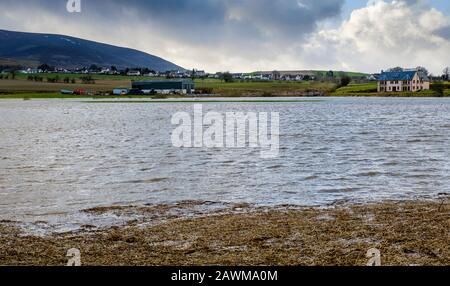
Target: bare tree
{"type": "Point", "coordinates": [396, 69]}
{"type": "Point", "coordinates": [423, 70]}
{"type": "Point", "coordinates": [446, 73]}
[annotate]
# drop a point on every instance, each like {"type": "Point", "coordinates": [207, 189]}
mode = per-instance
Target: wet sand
{"type": "Point", "coordinates": [406, 233]}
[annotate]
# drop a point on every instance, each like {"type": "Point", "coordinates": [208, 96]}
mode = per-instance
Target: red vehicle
{"type": "Point", "coordinates": [79, 91]}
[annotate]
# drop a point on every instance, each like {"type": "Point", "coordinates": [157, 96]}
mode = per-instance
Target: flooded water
{"type": "Point", "coordinates": [62, 156]}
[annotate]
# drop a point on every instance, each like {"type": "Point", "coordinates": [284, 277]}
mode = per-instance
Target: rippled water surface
{"type": "Point", "coordinates": [59, 157]}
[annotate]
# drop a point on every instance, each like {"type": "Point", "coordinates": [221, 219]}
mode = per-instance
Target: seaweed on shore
{"type": "Point", "coordinates": [406, 233]}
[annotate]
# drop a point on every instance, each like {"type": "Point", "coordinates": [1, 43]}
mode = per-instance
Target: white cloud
{"type": "Point", "coordinates": [383, 35]}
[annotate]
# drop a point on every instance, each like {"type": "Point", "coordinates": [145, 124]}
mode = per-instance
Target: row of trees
{"type": "Point", "coordinates": [6, 76]}
{"type": "Point", "coordinates": [57, 79]}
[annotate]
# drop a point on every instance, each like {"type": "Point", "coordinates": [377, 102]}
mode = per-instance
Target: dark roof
{"type": "Point", "coordinates": [404, 75]}
{"type": "Point", "coordinates": [423, 76]}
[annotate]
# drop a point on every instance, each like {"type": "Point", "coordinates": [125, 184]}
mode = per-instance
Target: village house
{"type": "Point", "coordinates": [403, 81]}
{"type": "Point", "coordinates": [134, 73]}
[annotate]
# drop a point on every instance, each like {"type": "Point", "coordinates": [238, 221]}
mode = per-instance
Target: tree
{"type": "Point", "coordinates": [345, 80]}
{"type": "Point", "coordinates": [227, 77]}
{"type": "Point", "coordinates": [396, 69]}
{"type": "Point", "coordinates": [446, 74]}
{"type": "Point", "coordinates": [45, 67]}
{"type": "Point", "coordinates": [94, 68]}
{"type": "Point", "coordinates": [438, 88]}
{"type": "Point", "coordinates": [423, 70]}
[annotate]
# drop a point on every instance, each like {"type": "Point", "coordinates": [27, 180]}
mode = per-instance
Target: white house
{"type": "Point", "coordinates": [403, 81]}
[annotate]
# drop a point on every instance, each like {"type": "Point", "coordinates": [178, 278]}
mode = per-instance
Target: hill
{"type": "Point", "coordinates": [69, 52]}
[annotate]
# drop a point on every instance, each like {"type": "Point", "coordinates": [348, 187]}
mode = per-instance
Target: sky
{"type": "Point", "coordinates": [254, 35]}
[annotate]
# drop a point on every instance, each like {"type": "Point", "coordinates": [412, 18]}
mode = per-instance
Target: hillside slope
{"type": "Point", "coordinates": [69, 52]}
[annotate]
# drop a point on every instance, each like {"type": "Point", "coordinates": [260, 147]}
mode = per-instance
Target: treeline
{"type": "Point", "coordinates": [56, 79]}
{"type": "Point", "coordinates": [4, 76]}
{"type": "Point", "coordinates": [84, 80]}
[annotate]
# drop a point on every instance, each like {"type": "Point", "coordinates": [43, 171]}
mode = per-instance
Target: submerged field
{"type": "Point", "coordinates": [405, 233]}
{"type": "Point", "coordinates": [213, 86]}
{"type": "Point", "coordinates": [21, 87]}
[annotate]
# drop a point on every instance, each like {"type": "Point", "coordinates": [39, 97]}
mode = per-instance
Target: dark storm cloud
{"type": "Point", "coordinates": [214, 33]}
{"type": "Point", "coordinates": [203, 18]}
{"type": "Point", "coordinates": [444, 33]}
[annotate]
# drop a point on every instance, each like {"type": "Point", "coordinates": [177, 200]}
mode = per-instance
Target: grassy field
{"type": "Point", "coordinates": [25, 86]}
{"type": "Point", "coordinates": [270, 88]}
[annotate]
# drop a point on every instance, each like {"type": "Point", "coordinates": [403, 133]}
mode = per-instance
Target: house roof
{"type": "Point", "coordinates": [404, 75]}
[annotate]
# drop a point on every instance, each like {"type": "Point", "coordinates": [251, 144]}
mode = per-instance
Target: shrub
{"type": "Point", "coordinates": [345, 80]}
{"type": "Point", "coordinates": [87, 80]}
{"type": "Point", "coordinates": [204, 90]}
{"type": "Point", "coordinates": [438, 88]}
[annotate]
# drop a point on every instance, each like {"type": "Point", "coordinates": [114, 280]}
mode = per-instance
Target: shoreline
{"type": "Point", "coordinates": [205, 98]}
{"type": "Point", "coordinates": [405, 232]}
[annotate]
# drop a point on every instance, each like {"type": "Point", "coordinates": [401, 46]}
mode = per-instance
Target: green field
{"type": "Point", "coordinates": [263, 88]}
{"type": "Point", "coordinates": [356, 89]}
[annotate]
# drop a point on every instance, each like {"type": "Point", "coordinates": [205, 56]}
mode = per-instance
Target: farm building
{"type": "Point", "coordinates": [403, 81]}
{"type": "Point", "coordinates": [185, 86]}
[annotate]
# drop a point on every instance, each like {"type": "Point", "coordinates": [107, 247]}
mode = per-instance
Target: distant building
{"type": "Point", "coordinates": [200, 73]}
{"type": "Point", "coordinates": [238, 75]}
{"type": "Point", "coordinates": [31, 71]}
{"type": "Point", "coordinates": [134, 73]}
{"type": "Point", "coordinates": [290, 75]}
{"type": "Point", "coordinates": [373, 77]}
{"type": "Point", "coordinates": [120, 91]}
{"type": "Point", "coordinates": [185, 86]}
{"type": "Point", "coordinates": [402, 81]}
